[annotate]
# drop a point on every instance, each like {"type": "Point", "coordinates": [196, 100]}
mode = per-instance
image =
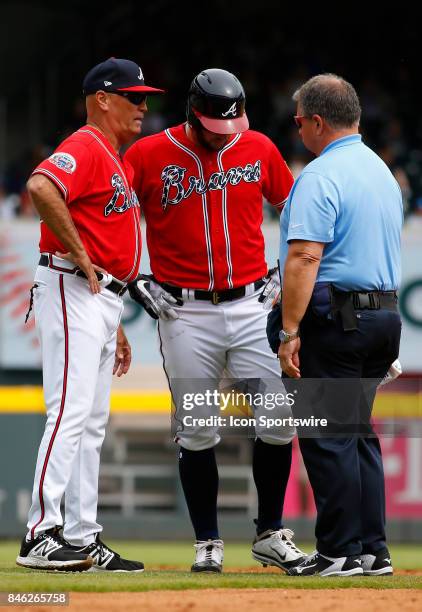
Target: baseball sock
{"type": "Point", "coordinates": [199, 477]}
{"type": "Point", "coordinates": [271, 469]}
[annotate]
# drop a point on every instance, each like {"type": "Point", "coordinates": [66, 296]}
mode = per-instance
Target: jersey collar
{"type": "Point", "coordinates": [342, 142]}
{"type": "Point", "coordinates": [103, 139]}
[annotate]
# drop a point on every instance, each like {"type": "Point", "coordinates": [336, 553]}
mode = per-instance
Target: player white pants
{"type": "Point", "coordinates": [210, 341]}
{"type": "Point", "coordinates": [77, 331]}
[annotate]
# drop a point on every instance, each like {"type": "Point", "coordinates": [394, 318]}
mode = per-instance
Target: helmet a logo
{"type": "Point", "coordinates": [231, 111]}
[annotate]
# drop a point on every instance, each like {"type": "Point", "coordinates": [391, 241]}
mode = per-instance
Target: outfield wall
{"type": "Point", "coordinates": [140, 493]}
{"type": "Point", "coordinates": [19, 255]}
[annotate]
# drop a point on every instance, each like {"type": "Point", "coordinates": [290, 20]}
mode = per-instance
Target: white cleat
{"type": "Point", "coordinates": [209, 556]}
{"type": "Point", "coordinates": [277, 548]}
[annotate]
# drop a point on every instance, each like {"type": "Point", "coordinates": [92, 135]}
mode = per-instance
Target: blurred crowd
{"type": "Point", "coordinates": [384, 128]}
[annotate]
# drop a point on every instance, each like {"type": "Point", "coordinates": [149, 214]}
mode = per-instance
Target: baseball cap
{"type": "Point", "coordinates": [117, 75]}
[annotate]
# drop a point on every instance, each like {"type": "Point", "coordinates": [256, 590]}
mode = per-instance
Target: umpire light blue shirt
{"type": "Point", "coordinates": [348, 199]}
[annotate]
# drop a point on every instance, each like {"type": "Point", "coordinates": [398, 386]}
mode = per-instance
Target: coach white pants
{"type": "Point", "coordinates": [77, 331]}
{"type": "Point", "coordinates": [210, 341]}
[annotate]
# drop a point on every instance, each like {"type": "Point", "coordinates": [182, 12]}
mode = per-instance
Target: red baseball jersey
{"type": "Point", "coordinates": [204, 209]}
{"type": "Point", "coordinates": [97, 187]}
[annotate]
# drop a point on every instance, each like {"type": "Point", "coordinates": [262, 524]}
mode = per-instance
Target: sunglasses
{"type": "Point", "coordinates": [133, 97]}
{"type": "Point", "coordinates": [298, 120]}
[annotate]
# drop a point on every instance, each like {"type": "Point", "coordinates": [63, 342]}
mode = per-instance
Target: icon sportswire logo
{"type": "Point", "coordinates": [231, 111]}
{"type": "Point", "coordinates": [174, 191]}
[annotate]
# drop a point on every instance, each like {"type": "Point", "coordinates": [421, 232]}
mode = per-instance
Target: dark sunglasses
{"type": "Point", "coordinates": [133, 97]}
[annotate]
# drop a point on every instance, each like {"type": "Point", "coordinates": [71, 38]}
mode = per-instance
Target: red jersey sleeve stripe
{"type": "Point", "coordinates": [54, 179]}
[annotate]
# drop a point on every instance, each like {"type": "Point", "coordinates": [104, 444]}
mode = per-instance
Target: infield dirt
{"type": "Point", "coordinates": [246, 600]}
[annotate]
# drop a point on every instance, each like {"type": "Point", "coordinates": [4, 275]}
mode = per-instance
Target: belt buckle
{"type": "Point", "coordinates": [374, 300]}
{"type": "Point", "coordinates": [215, 298]}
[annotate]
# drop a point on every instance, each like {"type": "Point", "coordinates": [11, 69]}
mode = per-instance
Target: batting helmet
{"type": "Point", "coordinates": [216, 101]}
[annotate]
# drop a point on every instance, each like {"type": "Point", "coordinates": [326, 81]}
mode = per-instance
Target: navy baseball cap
{"type": "Point", "coordinates": [117, 75]}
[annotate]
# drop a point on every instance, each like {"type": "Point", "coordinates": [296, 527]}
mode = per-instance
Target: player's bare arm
{"type": "Point", "coordinates": [54, 212]}
{"type": "Point", "coordinates": [123, 353]}
{"type": "Point", "coordinates": [300, 272]}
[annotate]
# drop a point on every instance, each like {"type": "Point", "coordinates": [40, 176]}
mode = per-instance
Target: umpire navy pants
{"type": "Point", "coordinates": [346, 473]}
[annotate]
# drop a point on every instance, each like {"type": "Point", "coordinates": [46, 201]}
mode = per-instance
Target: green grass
{"type": "Point", "coordinates": [175, 559]}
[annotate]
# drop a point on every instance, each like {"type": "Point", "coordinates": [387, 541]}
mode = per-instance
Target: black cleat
{"type": "Point", "coordinates": [319, 565]}
{"type": "Point", "coordinates": [377, 564]}
{"type": "Point", "coordinates": [50, 551]}
{"type": "Point", "coordinates": [105, 559]}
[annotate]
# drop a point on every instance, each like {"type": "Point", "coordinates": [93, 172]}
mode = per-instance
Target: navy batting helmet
{"type": "Point", "coordinates": [216, 101]}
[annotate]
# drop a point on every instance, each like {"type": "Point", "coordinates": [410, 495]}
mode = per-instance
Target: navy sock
{"type": "Point", "coordinates": [199, 477]}
{"type": "Point", "coordinates": [271, 469]}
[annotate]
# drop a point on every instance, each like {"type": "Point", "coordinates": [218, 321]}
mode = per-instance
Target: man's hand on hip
{"type": "Point", "coordinates": [85, 264]}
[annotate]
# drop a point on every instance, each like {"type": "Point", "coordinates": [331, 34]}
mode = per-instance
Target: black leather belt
{"type": "Point", "coordinates": [216, 297]}
{"type": "Point", "coordinates": [115, 286]}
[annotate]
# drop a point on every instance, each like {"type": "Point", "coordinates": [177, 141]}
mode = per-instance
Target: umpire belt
{"type": "Point", "coordinates": [48, 261]}
{"type": "Point", "coordinates": [371, 300]}
{"type": "Point", "coordinates": [216, 297]}
{"type": "Point", "coordinates": [346, 303]}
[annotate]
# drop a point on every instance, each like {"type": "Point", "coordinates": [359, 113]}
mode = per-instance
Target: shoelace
{"type": "Point", "coordinates": [208, 547]}
{"type": "Point", "coordinates": [287, 536]}
{"type": "Point", "coordinates": [56, 536]}
{"type": "Point", "coordinates": [311, 557]}
{"type": "Point", "coordinates": [103, 548]}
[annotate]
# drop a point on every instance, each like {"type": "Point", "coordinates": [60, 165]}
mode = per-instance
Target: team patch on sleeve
{"type": "Point", "coordinates": [64, 161]}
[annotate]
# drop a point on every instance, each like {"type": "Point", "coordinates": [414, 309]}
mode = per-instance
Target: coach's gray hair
{"type": "Point", "coordinates": [331, 97]}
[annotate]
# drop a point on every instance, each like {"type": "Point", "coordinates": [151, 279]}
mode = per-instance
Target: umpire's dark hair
{"type": "Point", "coordinates": [331, 97]}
